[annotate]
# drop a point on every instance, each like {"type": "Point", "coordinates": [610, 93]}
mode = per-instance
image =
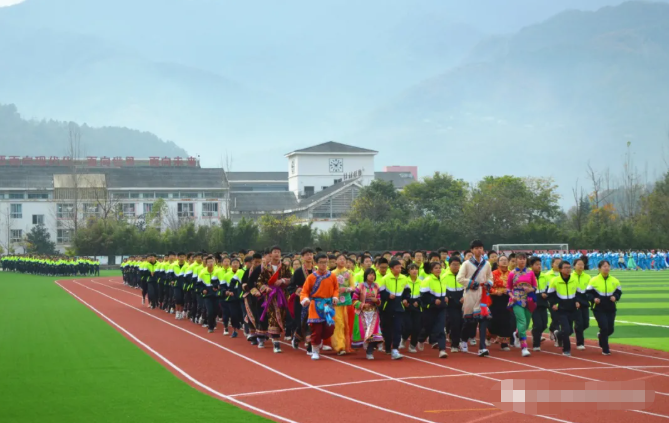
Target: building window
{"type": "Point", "coordinates": [38, 219]}
{"type": "Point", "coordinates": [17, 195]}
{"type": "Point", "coordinates": [188, 195]}
{"type": "Point", "coordinates": [120, 195]}
{"type": "Point", "coordinates": [322, 188]}
{"type": "Point", "coordinates": [38, 196]}
{"type": "Point", "coordinates": [15, 235]}
{"type": "Point", "coordinates": [213, 194]}
{"type": "Point", "coordinates": [308, 191]}
{"type": "Point", "coordinates": [336, 181]}
{"type": "Point", "coordinates": [16, 211]}
{"type": "Point", "coordinates": [65, 210]}
{"type": "Point", "coordinates": [185, 210]}
{"type": "Point", "coordinates": [63, 236]}
{"type": "Point", "coordinates": [148, 195]}
{"type": "Point", "coordinates": [148, 208]}
{"type": "Point", "coordinates": [91, 210]}
{"type": "Point", "coordinates": [134, 195]}
{"type": "Point", "coordinates": [162, 195]}
{"type": "Point", "coordinates": [209, 209]}
{"type": "Point", "coordinates": [129, 210]}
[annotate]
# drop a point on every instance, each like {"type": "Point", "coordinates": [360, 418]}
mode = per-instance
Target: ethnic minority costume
{"type": "Point", "coordinates": [344, 314]}
{"type": "Point", "coordinates": [366, 324]}
{"type": "Point", "coordinates": [522, 302]}
{"type": "Point", "coordinates": [476, 278]}
{"type": "Point", "coordinates": [500, 324]}
{"type": "Point", "coordinates": [271, 281]}
{"type": "Point", "coordinates": [251, 297]}
{"type": "Point", "coordinates": [320, 290]}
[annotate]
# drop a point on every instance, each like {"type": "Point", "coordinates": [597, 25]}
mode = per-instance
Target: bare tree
{"type": "Point", "coordinates": [226, 165]}
{"type": "Point", "coordinates": [632, 187]}
{"type": "Point", "coordinates": [579, 215]}
{"type": "Point", "coordinates": [601, 187]}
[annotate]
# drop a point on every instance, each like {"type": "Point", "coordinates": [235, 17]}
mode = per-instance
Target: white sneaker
{"type": "Point", "coordinates": [225, 332]}
{"type": "Point", "coordinates": [287, 338]}
{"type": "Point", "coordinates": [463, 347]}
{"type": "Point", "coordinates": [412, 349]}
{"type": "Point", "coordinates": [488, 343]}
{"type": "Point", "coordinates": [315, 353]}
{"type": "Point", "coordinates": [395, 355]}
{"type": "Point", "coordinates": [443, 354]}
{"type": "Point", "coordinates": [526, 352]}
{"type": "Point", "coordinates": [455, 349]}
{"type": "Point", "coordinates": [472, 341]}
{"type": "Point", "coordinates": [538, 349]}
{"type": "Point", "coordinates": [483, 353]}
{"type": "Point", "coordinates": [516, 341]}
{"type": "Point", "coordinates": [580, 347]}
{"type": "Point", "coordinates": [370, 356]}
{"type": "Point", "coordinates": [420, 346]}
{"type": "Point", "coordinates": [552, 336]}
{"type": "Point", "coordinates": [261, 344]}
{"type": "Point", "coordinates": [200, 320]}
{"type": "Point", "coordinates": [326, 347]}
{"type": "Point", "coordinates": [143, 301]}
{"type": "Point", "coordinates": [402, 346]}
{"type": "Point", "coordinates": [277, 350]}
{"type": "Point", "coordinates": [505, 349]}
{"type": "Point", "coordinates": [380, 347]}
{"type": "Point", "coordinates": [555, 338]}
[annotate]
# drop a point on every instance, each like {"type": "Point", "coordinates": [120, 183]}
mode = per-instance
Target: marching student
{"type": "Point", "coordinates": [500, 324]}
{"type": "Point", "coordinates": [562, 297]}
{"type": "Point", "coordinates": [540, 313]}
{"type": "Point", "coordinates": [454, 297]}
{"type": "Point", "coordinates": [367, 322]}
{"type": "Point", "coordinates": [208, 278]}
{"type": "Point", "coordinates": [582, 321]}
{"type": "Point", "coordinates": [300, 327]}
{"type": "Point", "coordinates": [179, 271]}
{"type": "Point", "coordinates": [434, 296]}
{"type": "Point", "coordinates": [392, 310]}
{"type": "Point", "coordinates": [413, 316]}
{"type": "Point", "coordinates": [341, 338]}
{"type": "Point", "coordinates": [476, 276]}
{"type": "Point", "coordinates": [550, 274]}
{"type": "Point", "coordinates": [522, 284]}
{"type": "Point", "coordinates": [604, 292]}
{"type": "Point", "coordinates": [233, 296]}
{"type": "Point", "coordinates": [319, 296]}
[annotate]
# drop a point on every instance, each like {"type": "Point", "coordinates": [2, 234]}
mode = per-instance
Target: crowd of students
{"type": "Point", "coordinates": [389, 302]}
{"type": "Point", "coordinates": [51, 265]}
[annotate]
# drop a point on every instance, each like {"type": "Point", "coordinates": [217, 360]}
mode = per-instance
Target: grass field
{"type": "Point", "coordinates": [59, 361]}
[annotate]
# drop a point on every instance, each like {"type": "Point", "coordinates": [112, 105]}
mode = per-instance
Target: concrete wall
{"type": "Point", "coordinates": [314, 170]}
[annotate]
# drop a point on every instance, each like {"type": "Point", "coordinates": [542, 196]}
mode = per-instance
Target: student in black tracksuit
{"type": "Point", "coordinates": [234, 295]}
{"type": "Point", "coordinates": [603, 293]}
{"type": "Point", "coordinates": [562, 295]}
{"type": "Point", "coordinates": [454, 296]}
{"type": "Point", "coordinates": [540, 314]}
{"type": "Point", "coordinates": [392, 310]}
{"type": "Point", "coordinates": [413, 317]}
{"type": "Point", "coordinates": [300, 327]}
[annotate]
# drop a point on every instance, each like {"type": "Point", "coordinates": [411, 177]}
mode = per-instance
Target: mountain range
{"type": "Point", "coordinates": [424, 83]}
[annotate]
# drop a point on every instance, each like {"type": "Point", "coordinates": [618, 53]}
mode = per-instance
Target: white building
{"type": "Point", "coordinates": [319, 187]}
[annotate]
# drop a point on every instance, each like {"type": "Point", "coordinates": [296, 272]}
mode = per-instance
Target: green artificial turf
{"type": "Point", "coordinates": [61, 362]}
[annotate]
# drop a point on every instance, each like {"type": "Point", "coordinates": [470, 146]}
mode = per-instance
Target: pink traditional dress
{"type": "Point", "coordinates": [366, 325]}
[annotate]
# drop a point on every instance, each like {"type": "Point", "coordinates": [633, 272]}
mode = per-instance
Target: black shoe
{"type": "Point", "coordinates": [254, 341]}
{"type": "Point", "coordinates": [295, 343]}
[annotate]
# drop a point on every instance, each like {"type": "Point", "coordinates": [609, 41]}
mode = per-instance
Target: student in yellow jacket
{"type": "Point", "coordinates": [604, 292]}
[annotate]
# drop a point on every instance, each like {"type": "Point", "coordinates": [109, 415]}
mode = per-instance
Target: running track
{"type": "Point", "coordinates": [290, 387]}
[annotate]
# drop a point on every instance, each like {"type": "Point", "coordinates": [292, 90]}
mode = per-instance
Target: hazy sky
{"type": "Point", "coordinates": [9, 2]}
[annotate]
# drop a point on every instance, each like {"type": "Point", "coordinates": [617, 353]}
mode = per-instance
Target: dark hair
{"type": "Point", "coordinates": [412, 266]}
{"type": "Point", "coordinates": [248, 259]}
{"type": "Point", "coordinates": [521, 255]}
{"type": "Point", "coordinates": [366, 256]}
{"type": "Point", "coordinates": [350, 259]}
{"type": "Point", "coordinates": [181, 254]}
{"type": "Point", "coordinates": [433, 254]}
{"type": "Point", "coordinates": [257, 256]}
{"type": "Point", "coordinates": [382, 260]}
{"type": "Point", "coordinates": [209, 257]}
{"type": "Point", "coordinates": [512, 256]}
{"type": "Point", "coordinates": [533, 260]}
{"type": "Point", "coordinates": [442, 250]}
{"type": "Point", "coordinates": [320, 256]}
{"type": "Point", "coordinates": [306, 251]}
{"type": "Point", "coordinates": [394, 263]}
{"type": "Point", "coordinates": [579, 259]}
{"type": "Point", "coordinates": [564, 263]}
{"type": "Point", "coordinates": [555, 259]}
{"type": "Point", "coordinates": [171, 253]}
{"type": "Point", "coordinates": [274, 247]}
{"type": "Point", "coordinates": [428, 267]}
{"type": "Point", "coordinates": [367, 272]}
{"type": "Point", "coordinates": [455, 259]}
{"type": "Point", "coordinates": [476, 244]}
{"type": "Point", "coordinates": [491, 252]}
{"type": "Point", "coordinates": [601, 263]}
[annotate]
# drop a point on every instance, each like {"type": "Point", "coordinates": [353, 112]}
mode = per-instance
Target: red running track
{"type": "Point", "coordinates": [292, 388]}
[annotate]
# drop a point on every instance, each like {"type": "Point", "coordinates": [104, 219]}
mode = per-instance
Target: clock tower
{"type": "Point", "coordinates": [316, 168]}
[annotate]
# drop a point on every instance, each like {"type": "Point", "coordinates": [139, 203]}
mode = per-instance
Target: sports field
{"type": "Point", "coordinates": [82, 351]}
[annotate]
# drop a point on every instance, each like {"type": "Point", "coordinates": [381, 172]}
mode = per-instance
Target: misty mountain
{"type": "Point", "coordinates": [542, 101]}
{"type": "Point", "coordinates": [21, 137]}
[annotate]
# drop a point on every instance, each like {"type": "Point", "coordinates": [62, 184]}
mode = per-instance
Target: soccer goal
{"type": "Point", "coordinates": [530, 247]}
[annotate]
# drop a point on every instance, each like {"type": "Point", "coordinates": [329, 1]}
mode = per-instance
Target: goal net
{"type": "Point", "coordinates": [508, 248]}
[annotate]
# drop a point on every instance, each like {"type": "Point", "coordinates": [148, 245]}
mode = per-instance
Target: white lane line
{"type": "Point", "coordinates": [301, 382]}
{"type": "Point", "coordinates": [638, 323]}
{"type": "Point", "coordinates": [175, 367]}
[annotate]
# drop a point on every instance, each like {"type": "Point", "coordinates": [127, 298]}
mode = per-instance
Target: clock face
{"type": "Point", "coordinates": [336, 165]}
{"type": "Point", "coordinates": [292, 166]}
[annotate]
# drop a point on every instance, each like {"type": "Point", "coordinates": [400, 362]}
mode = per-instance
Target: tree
{"type": "Point", "coordinates": [440, 196]}
{"type": "Point", "coordinates": [379, 202]}
{"type": "Point", "coordinates": [655, 206]}
{"type": "Point", "coordinates": [38, 241]}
